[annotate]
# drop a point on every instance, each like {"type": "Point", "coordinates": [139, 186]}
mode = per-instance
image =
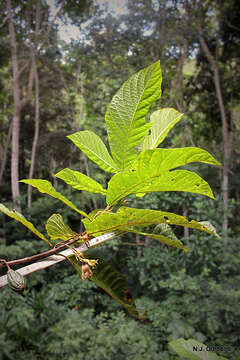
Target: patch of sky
{"type": "Point", "coordinates": [69, 32]}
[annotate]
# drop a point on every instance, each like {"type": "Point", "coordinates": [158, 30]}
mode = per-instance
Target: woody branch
{"type": "Point", "coordinates": [56, 257]}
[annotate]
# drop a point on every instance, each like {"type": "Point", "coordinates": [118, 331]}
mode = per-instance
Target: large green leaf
{"type": "Point", "coordinates": [127, 219]}
{"type": "Point", "coordinates": [19, 217]}
{"type": "Point", "coordinates": [46, 187]}
{"type": "Point", "coordinates": [179, 180]}
{"type": "Point", "coordinates": [80, 181]}
{"type": "Point", "coordinates": [125, 116]}
{"type": "Point", "coordinates": [193, 350]}
{"type": "Point", "coordinates": [57, 229]}
{"type": "Point", "coordinates": [94, 148]}
{"type": "Point", "coordinates": [162, 122]}
{"type": "Point", "coordinates": [152, 174]}
{"type": "Point", "coordinates": [113, 282]}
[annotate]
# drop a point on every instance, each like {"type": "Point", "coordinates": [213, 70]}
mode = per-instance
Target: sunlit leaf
{"type": "Point", "coordinates": [57, 229]}
{"type": "Point", "coordinates": [113, 282]}
{"type": "Point", "coordinates": [178, 180]}
{"type": "Point", "coordinates": [193, 350]}
{"type": "Point", "coordinates": [46, 187]}
{"type": "Point", "coordinates": [91, 144]}
{"type": "Point", "coordinates": [19, 217]}
{"type": "Point", "coordinates": [80, 181]}
{"type": "Point", "coordinates": [152, 174]}
{"type": "Point", "coordinates": [127, 219]}
{"type": "Point", "coordinates": [162, 121]}
{"type": "Point", "coordinates": [125, 117]}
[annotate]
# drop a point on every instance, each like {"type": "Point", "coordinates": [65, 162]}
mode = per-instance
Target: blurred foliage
{"type": "Point", "coordinates": [194, 295]}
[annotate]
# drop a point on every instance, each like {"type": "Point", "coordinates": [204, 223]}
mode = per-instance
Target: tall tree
{"type": "Point", "coordinates": [24, 33]}
{"type": "Point", "coordinates": [209, 26]}
{"type": "Point", "coordinates": [18, 102]}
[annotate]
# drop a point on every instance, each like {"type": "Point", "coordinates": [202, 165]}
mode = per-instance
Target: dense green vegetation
{"type": "Point", "coordinates": [189, 295]}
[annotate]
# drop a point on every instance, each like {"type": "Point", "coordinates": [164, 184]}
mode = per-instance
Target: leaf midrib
{"type": "Point", "coordinates": [131, 122]}
{"type": "Point", "coordinates": [99, 187]}
{"type": "Point", "coordinates": [115, 227]}
{"type": "Point", "coordinates": [147, 222]}
{"type": "Point", "coordinates": [165, 128]}
{"type": "Point", "coordinates": [150, 178]}
{"type": "Point", "coordinates": [99, 157]}
{"type": "Point", "coordinates": [141, 182]}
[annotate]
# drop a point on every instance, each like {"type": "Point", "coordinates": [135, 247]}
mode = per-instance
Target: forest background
{"type": "Point", "coordinates": [49, 89]}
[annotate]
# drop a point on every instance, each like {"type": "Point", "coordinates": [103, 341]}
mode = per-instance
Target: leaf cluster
{"type": "Point", "coordinates": [138, 167]}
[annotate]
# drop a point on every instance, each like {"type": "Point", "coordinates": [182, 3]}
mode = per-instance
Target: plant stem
{"type": "Point", "coordinates": [38, 256]}
{"type": "Point", "coordinates": [56, 258]}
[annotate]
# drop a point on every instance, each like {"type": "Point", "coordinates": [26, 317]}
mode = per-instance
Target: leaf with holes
{"type": "Point", "coordinates": [130, 219]}
{"type": "Point", "coordinates": [57, 229]}
{"type": "Point", "coordinates": [91, 144]}
{"type": "Point", "coordinates": [113, 282]}
{"type": "Point", "coordinates": [46, 187]}
{"type": "Point", "coordinates": [20, 218]}
{"type": "Point", "coordinates": [80, 181]}
{"type": "Point", "coordinates": [162, 121]}
{"type": "Point", "coordinates": [152, 174]}
{"type": "Point", "coordinates": [209, 226]}
{"type": "Point", "coordinates": [125, 116]}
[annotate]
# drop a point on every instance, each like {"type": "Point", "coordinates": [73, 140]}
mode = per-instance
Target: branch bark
{"type": "Point", "coordinates": [52, 22]}
{"type": "Point", "coordinates": [57, 258]}
{"type": "Point", "coordinates": [4, 21]}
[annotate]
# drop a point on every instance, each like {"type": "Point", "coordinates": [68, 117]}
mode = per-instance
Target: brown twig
{"type": "Point", "coordinates": [44, 254]}
{"type": "Point", "coordinates": [5, 263]}
{"type": "Point", "coordinates": [57, 258]}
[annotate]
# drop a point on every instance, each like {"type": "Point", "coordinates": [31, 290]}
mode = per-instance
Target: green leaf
{"type": "Point", "coordinates": [127, 219]}
{"type": "Point", "coordinates": [166, 230]}
{"type": "Point", "coordinates": [164, 239]}
{"type": "Point", "coordinates": [125, 116]}
{"type": "Point", "coordinates": [80, 181]}
{"type": "Point", "coordinates": [178, 180]}
{"type": "Point", "coordinates": [46, 187]}
{"type": "Point", "coordinates": [210, 227]}
{"type": "Point", "coordinates": [152, 174]}
{"type": "Point", "coordinates": [91, 144]}
{"type": "Point", "coordinates": [19, 217]}
{"type": "Point", "coordinates": [112, 281]}
{"type": "Point", "coordinates": [162, 122]}
{"type": "Point", "coordinates": [56, 228]}
{"type": "Point", "coordinates": [193, 350]}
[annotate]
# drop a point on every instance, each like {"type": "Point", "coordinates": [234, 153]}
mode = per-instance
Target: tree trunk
{"type": "Point", "coordinates": [36, 82]}
{"type": "Point", "coordinates": [36, 136]}
{"type": "Point", "coordinates": [178, 88]}
{"type": "Point", "coordinates": [17, 108]}
{"type": "Point", "coordinates": [225, 133]}
{"type": "Point", "coordinates": [19, 100]}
